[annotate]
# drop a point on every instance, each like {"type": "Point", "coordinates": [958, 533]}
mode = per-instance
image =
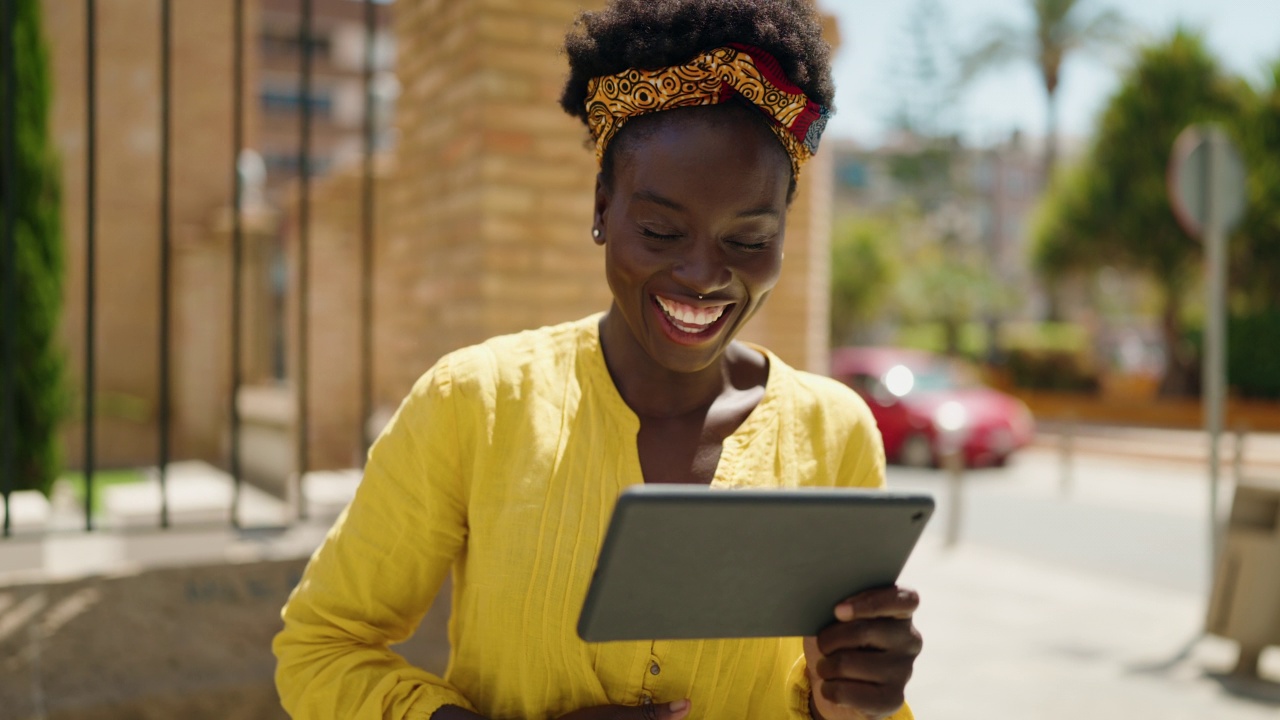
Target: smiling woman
{"type": "Point", "coordinates": [505, 460]}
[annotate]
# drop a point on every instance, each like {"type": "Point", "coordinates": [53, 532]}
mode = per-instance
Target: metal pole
{"type": "Point", "coordinates": [1068, 457]}
{"type": "Point", "coordinates": [304, 231]}
{"type": "Point", "coordinates": [90, 289]}
{"type": "Point", "coordinates": [237, 250]}
{"type": "Point", "coordinates": [8, 261]}
{"type": "Point", "coordinates": [1214, 366]}
{"type": "Point", "coordinates": [953, 461]}
{"type": "Point", "coordinates": [1237, 457]}
{"type": "Point", "coordinates": [166, 88]}
{"type": "Point", "coordinates": [366, 245]}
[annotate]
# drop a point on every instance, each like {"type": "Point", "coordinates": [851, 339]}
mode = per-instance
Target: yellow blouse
{"type": "Point", "coordinates": [503, 464]}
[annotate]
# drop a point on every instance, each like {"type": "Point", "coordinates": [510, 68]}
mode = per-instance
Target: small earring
{"type": "Point", "coordinates": [595, 233]}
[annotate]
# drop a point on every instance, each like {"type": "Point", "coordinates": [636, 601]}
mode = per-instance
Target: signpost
{"type": "Point", "coordinates": [1207, 191]}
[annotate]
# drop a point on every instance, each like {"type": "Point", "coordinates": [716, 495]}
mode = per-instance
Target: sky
{"type": "Point", "coordinates": [1243, 34]}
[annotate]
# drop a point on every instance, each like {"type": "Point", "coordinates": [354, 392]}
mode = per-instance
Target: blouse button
{"type": "Point", "coordinates": [654, 669]}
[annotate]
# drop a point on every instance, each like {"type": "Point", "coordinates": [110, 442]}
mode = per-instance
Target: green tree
{"type": "Point", "coordinates": [950, 279]}
{"type": "Point", "coordinates": [1059, 28]}
{"type": "Point", "coordinates": [863, 273]}
{"type": "Point", "coordinates": [40, 400]}
{"type": "Point", "coordinates": [1256, 248]}
{"type": "Point", "coordinates": [1114, 210]}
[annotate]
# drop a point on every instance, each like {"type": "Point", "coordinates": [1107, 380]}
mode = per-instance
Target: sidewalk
{"type": "Point", "coordinates": [1008, 637]}
{"type": "Point", "coordinates": [1018, 626]}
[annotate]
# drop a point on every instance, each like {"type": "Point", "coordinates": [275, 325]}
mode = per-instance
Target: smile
{"type": "Point", "coordinates": [690, 319]}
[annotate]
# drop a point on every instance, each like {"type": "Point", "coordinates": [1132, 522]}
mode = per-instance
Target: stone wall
{"type": "Point", "coordinates": [192, 643]}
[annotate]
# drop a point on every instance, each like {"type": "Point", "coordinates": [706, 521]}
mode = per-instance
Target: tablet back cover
{"type": "Point", "coordinates": [684, 562]}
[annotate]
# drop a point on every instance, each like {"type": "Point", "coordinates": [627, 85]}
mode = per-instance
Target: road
{"type": "Point", "coordinates": [1140, 520]}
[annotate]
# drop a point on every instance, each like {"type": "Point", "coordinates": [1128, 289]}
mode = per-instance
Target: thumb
{"type": "Point", "coordinates": [677, 710]}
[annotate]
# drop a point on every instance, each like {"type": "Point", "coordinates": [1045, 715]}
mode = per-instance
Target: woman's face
{"type": "Point", "coordinates": [693, 225]}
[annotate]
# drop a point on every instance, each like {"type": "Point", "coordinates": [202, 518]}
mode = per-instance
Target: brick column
{"type": "Point", "coordinates": [489, 215]}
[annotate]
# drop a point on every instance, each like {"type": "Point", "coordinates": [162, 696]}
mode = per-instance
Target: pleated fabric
{"type": "Point", "coordinates": [502, 466]}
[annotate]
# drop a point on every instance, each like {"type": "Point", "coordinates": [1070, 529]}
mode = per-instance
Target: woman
{"type": "Point", "coordinates": [504, 462]}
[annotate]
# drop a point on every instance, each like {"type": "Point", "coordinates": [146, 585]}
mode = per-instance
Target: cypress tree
{"type": "Point", "coordinates": [40, 400]}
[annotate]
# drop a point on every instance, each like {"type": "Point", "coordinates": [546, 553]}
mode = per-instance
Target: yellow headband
{"type": "Point", "coordinates": [712, 77]}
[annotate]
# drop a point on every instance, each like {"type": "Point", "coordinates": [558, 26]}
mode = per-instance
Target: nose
{"type": "Point", "coordinates": [703, 269]}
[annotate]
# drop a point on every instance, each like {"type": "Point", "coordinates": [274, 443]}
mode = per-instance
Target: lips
{"type": "Point", "coordinates": [690, 324]}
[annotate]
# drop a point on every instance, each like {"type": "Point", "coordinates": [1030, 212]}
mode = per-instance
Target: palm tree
{"type": "Point", "coordinates": [1060, 28]}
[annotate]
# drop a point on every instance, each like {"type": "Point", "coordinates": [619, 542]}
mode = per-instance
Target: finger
{"type": "Point", "coordinates": [868, 698]}
{"type": "Point", "coordinates": [864, 666]}
{"type": "Point", "coordinates": [677, 710]}
{"type": "Point", "coordinates": [880, 602]}
{"type": "Point", "coordinates": [883, 634]}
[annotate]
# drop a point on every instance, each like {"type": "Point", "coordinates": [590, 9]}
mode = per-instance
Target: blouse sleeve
{"type": "Point", "coordinates": [862, 463]}
{"type": "Point", "coordinates": [378, 571]}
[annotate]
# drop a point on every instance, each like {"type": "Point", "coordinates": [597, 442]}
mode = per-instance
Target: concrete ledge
{"type": "Point", "coordinates": [189, 642]}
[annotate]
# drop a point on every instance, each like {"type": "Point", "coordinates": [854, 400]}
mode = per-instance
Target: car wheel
{"type": "Point", "coordinates": [916, 451]}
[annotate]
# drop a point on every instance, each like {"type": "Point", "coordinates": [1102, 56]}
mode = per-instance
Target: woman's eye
{"type": "Point", "coordinates": [750, 245]}
{"type": "Point", "coordinates": [657, 235]}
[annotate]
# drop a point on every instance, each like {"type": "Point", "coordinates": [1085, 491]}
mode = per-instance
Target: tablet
{"type": "Point", "coordinates": [688, 561]}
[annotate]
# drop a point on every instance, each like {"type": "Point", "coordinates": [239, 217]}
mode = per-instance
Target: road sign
{"type": "Point", "coordinates": [1206, 173]}
{"type": "Point", "coordinates": [1207, 191]}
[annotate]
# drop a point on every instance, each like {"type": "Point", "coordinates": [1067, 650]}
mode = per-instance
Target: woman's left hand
{"type": "Point", "coordinates": [859, 667]}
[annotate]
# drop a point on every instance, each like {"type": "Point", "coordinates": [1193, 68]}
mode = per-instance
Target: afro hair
{"type": "Point", "coordinates": [653, 34]}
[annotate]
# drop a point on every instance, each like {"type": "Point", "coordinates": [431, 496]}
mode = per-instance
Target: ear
{"type": "Point", "coordinates": [601, 211]}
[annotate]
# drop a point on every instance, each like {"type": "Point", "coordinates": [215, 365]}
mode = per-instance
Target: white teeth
{"type": "Point", "coordinates": [691, 318]}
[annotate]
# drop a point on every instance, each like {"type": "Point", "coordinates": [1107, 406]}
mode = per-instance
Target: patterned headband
{"type": "Point", "coordinates": [712, 77]}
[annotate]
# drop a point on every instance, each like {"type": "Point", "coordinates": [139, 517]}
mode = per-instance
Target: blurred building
{"type": "Point", "coordinates": [989, 193]}
{"type": "Point", "coordinates": [337, 97]}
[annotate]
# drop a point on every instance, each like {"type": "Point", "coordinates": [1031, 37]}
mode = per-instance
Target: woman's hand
{"type": "Point", "coordinates": [859, 667]}
{"type": "Point", "coordinates": [677, 710]}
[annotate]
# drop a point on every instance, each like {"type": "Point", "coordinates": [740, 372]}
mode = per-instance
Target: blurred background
{"type": "Point", "coordinates": [236, 231]}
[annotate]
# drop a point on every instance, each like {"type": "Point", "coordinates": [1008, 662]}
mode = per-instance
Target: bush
{"type": "Point", "coordinates": [1253, 354]}
{"type": "Point", "coordinates": [1050, 370]}
{"type": "Point", "coordinates": [39, 398]}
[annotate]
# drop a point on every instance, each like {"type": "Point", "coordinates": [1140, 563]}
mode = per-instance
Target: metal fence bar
{"type": "Point", "coordinates": [237, 248]}
{"type": "Point", "coordinates": [304, 241]}
{"type": "Point", "coordinates": [8, 261]}
{"type": "Point", "coordinates": [90, 285]}
{"type": "Point", "coordinates": [366, 245]}
{"type": "Point", "coordinates": [166, 197]}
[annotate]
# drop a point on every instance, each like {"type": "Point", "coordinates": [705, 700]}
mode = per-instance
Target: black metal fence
{"type": "Point", "coordinates": [8, 253]}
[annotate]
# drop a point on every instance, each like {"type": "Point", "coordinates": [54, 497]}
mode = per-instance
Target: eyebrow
{"type": "Point", "coordinates": [656, 199]}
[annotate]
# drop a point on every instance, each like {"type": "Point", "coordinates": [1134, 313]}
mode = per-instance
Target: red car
{"type": "Point", "coordinates": [925, 403]}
